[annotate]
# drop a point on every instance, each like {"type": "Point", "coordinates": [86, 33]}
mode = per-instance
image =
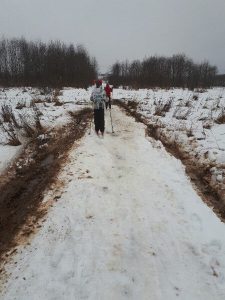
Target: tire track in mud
{"type": "Point", "coordinates": [23, 185]}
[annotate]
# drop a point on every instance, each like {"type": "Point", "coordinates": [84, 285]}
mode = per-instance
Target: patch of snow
{"type": "Point", "coordinates": [7, 153]}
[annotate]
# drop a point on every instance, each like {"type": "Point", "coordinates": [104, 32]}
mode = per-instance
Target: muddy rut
{"type": "Point", "coordinates": [23, 185]}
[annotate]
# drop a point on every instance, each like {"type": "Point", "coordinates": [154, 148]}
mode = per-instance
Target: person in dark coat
{"type": "Point", "coordinates": [98, 98]}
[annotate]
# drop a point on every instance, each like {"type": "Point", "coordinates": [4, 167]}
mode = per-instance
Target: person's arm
{"type": "Point", "coordinates": [103, 95]}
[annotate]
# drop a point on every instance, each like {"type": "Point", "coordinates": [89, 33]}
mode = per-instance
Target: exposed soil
{"type": "Point", "coordinates": [199, 174]}
{"type": "Point", "coordinates": [23, 185]}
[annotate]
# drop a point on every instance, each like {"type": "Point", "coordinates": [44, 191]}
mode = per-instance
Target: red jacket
{"type": "Point", "coordinates": [108, 90]}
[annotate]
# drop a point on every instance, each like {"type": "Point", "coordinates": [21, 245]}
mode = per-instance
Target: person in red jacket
{"type": "Point", "coordinates": [108, 91]}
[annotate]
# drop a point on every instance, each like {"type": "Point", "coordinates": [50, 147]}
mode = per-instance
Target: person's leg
{"type": "Point", "coordinates": [102, 120]}
{"type": "Point", "coordinates": [106, 104]}
{"type": "Point", "coordinates": [96, 120]}
{"type": "Point", "coordinates": [109, 103]}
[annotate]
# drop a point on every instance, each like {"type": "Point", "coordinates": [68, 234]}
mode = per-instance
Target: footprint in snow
{"type": "Point", "coordinates": [196, 221]}
{"type": "Point", "coordinates": [214, 247]}
{"type": "Point", "coordinates": [89, 217]}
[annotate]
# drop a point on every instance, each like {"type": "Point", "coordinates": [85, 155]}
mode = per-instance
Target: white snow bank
{"type": "Point", "coordinates": [7, 153]}
{"type": "Point", "coordinates": [191, 119]}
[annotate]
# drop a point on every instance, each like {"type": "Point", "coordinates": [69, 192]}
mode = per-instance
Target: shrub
{"type": "Point", "coordinates": [8, 116]}
{"type": "Point", "coordinates": [12, 137]}
{"type": "Point", "coordinates": [6, 113]}
{"type": "Point", "coordinates": [182, 115]}
{"type": "Point", "coordinates": [55, 98]}
{"type": "Point", "coordinates": [221, 117]}
{"type": "Point", "coordinates": [21, 105]}
{"type": "Point", "coordinates": [162, 108]}
{"type": "Point", "coordinates": [45, 91]}
{"type": "Point", "coordinates": [32, 128]}
{"type": "Point", "coordinates": [195, 97]}
{"type": "Point", "coordinates": [200, 90]}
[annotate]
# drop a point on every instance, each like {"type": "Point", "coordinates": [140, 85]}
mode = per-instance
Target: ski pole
{"type": "Point", "coordinates": [111, 120]}
{"type": "Point", "coordinates": [90, 127]}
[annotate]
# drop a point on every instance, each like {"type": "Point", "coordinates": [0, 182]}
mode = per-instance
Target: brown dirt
{"type": "Point", "coordinates": [198, 173]}
{"type": "Point", "coordinates": [23, 185]}
{"type": "Point", "coordinates": [221, 119]}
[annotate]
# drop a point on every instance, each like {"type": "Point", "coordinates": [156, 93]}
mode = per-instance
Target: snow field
{"type": "Point", "coordinates": [190, 121]}
{"type": "Point", "coordinates": [26, 103]}
{"type": "Point", "coordinates": [128, 226]}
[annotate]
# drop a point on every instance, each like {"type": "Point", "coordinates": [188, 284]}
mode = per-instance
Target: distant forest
{"type": "Point", "coordinates": [166, 72]}
{"type": "Point", "coordinates": [220, 80]}
{"type": "Point", "coordinates": [25, 63]}
{"type": "Point", "coordinates": [55, 64]}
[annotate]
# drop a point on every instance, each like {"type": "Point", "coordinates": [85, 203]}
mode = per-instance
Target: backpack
{"type": "Point", "coordinates": [98, 97]}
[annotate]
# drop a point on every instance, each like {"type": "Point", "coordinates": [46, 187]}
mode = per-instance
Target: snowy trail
{"type": "Point", "coordinates": [128, 226]}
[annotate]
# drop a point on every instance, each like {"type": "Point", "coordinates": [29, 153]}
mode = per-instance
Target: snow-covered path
{"type": "Point", "coordinates": [128, 226]}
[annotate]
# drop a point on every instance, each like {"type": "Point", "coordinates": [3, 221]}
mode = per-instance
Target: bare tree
{"type": "Point", "coordinates": [39, 64]}
{"type": "Point", "coordinates": [159, 71]}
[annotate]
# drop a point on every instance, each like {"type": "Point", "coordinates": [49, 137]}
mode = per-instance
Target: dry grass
{"type": "Point", "coordinates": [12, 137]}
{"type": "Point", "coordinates": [9, 125]}
{"type": "Point", "coordinates": [182, 115]}
{"type": "Point", "coordinates": [21, 104]}
{"type": "Point", "coordinates": [55, 98]}
{"type": "Point", "coordinates": [190, 132]}
{"type": "Point", "coordinates": [188, 103]}
{"type": "Point", "coordinates": [6, 113]}
{"type": "Point", "coordinates": [132, 104]}
{"type": "Point", "coordinates": [45, 91]}
{"type": "Point", "coordinates": [22, 125]}
{"type": "Point", "coordinates": [207, 124]}
{"type": "Point", "coordinates": [221, 117]}
{"type": "Point", "coordinates": [32, 127]}
{"type": "Point", "coordinates": [162, 108]}
{"type": "Point", "coordinates": [199, 90]}
{"type": "Point", "coordinates": [195, 97]}
{"type": "Point", "coordinates": [35, 101]}
{"type": "Point", "coordinates": [57, 102]}
{"type": "Point", "coordinates": [7, 116]}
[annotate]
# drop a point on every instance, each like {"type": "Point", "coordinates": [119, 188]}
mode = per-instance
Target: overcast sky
{"type": "Point", "coordinates": [119, 29]}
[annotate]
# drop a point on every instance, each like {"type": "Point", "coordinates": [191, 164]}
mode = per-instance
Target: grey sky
{"type": "Point", "coordinates": [118, 29]}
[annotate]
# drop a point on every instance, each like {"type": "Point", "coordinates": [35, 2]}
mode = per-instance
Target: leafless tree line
{"type": "Point", "coordinates": [159, 71]}
{"type": "Point", "coordinates": [25, 63]}
{"type": "Point", "coordinates": [220, 80]}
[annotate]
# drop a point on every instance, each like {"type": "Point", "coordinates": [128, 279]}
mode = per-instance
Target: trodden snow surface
{"type": "Point", "coordinates": [129, 225]}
